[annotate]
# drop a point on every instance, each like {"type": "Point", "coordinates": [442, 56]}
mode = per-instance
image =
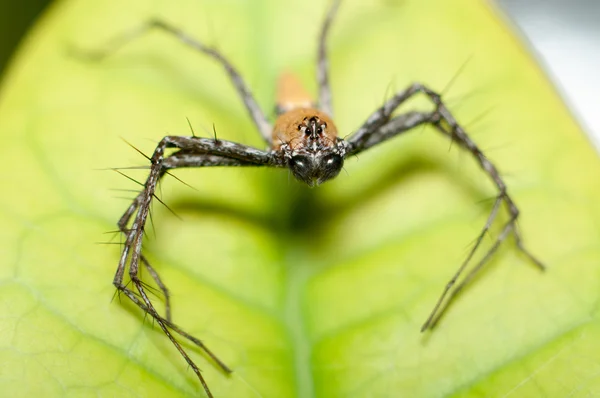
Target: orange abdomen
{"type": "Point", "coordinates": [298, 112]}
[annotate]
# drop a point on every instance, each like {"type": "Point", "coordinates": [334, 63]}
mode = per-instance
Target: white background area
{"type": "Point", "coordinates": [565, 34]}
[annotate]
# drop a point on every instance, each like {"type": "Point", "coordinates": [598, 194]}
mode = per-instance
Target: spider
{"type": "Point", "coordinates": [303, 139]}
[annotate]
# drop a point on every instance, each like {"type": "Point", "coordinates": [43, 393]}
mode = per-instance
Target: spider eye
{"type": "Point", "coordinates": [330, 166]}
{"type": "Point", "coordinates": [299, 162]}
{"type": "Point", "coordinates": [313, 170]}
{"type": "Point", "coordinates": [333, 161]}
{"type": "Point", "coordinates": [303, 169]}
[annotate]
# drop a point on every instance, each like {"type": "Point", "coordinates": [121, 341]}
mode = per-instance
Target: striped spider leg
{"type": "Point", "coordinates": [190, 152]}
{"type": "Point", "coordinates": [381, 126]}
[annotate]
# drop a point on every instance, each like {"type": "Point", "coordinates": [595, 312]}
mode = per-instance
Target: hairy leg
{"type": "Point", "coordinates": [380, 126]}
{"type": "Point", "coordinates": [193, 152]}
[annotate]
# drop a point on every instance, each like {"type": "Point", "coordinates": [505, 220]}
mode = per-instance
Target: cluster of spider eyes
{"type": "Point", "coordinates": [320, 128]}
{"type": "Point", "coordinates": [306, 130]}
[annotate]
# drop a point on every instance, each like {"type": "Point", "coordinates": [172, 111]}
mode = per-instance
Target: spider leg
{"type": "Point", "coordinates": [122, 224]}
{"type": "Point", "coordinates": [256, 113]}
{"type": "Point", "coordinates": [193, 152]}
{"type": "Point", "coordinates": [323, 63]}
{"type": "Point", "coordinates": [450, 284]}
{"type": "Point", "coordinates": [357, 142]}
{"type": "Point", "coordinates": [508, 227]}
{"type": "Point", "coordinates": [163, 323]}
{"type": "Point", "coordinates": [394, 127]}
{"type": "Point", "coordinates": [161, 286]}
{"type": "Point", "coordinates": [380, 126]}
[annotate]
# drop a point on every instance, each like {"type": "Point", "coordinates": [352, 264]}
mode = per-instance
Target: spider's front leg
{"type": "Point", "coordinates": [380, 126]}
{"type": "Point", "coordinates": [193, 152]}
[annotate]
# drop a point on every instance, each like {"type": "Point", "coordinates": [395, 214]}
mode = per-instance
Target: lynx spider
{"type": "Point", "coordinates": [303, 139]}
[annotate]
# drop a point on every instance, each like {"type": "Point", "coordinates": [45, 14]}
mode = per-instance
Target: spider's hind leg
{"type": "Point", "coordinates": [256, 113]}
{"type": "Point", "coordinates": [163, 288]}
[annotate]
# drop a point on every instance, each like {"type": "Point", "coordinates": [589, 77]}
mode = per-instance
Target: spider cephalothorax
{"type": "Point", "coordinates": [308, 140]}
{"type": "Point", "coordinates": [305, 140]}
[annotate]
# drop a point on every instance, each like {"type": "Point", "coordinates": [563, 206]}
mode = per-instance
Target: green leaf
{"type": "Point", "coordinates": [302, 292]}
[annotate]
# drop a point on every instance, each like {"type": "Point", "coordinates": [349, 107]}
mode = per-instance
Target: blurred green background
{"type": "Point", "coordinates": [15, 18]}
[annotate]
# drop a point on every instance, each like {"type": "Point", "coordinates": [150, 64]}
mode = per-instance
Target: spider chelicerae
{"type": "Point", "coordinates": [304, 140]}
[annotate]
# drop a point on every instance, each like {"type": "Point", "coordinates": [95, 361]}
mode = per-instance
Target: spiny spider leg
{"type": "Point", "coordinates": [379, 128]}
{"type": "Point", "coordinates": [256, 113]}
{"type": "Point", "coordinates": [394, 127]}
{"type": "Point", "coordinates": [193, 152]}
{"type": "Point", "coordinates": [323, 63]}
{"type": "Point", "coordinates": [358, 141]}
{"type": "Point", "coordinates": [508, 226]}
{"type": "Point", "coordinates": [176, 160]}
{"type": "Point", "coordinates": [466, 261]}
{"type": "Point", "coordinates": [133, 297]}
{"type": "Point", "coordinates": [161, 286]}
{"type": "Point", "coordinates": [163, 325]}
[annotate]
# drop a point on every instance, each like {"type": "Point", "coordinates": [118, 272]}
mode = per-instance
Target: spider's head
{"type": "Point", "coordinates": [308, 139]}
{"type": "Point", "coordinates": [316, 168]}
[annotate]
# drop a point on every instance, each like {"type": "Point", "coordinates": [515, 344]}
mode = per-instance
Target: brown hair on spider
{"type": "Point", "coordinates": [307, 136]}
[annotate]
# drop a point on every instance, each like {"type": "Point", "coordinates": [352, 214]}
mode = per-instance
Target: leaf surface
{"type": "Point", "coordinates": [302, 292]}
